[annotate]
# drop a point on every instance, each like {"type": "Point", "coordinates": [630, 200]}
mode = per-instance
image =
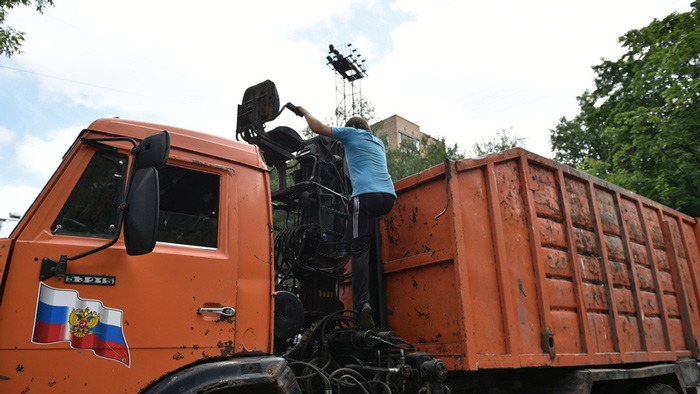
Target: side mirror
{"type": "Point", "coordinates": [141, 221]}
{"type": "Point", "coordinates": [153, 151]}
{"type": "Point", "coordinates": [143, 196]}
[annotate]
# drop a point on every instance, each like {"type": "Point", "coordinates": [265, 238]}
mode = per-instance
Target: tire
{"type": "Point", "coordinates": [657, 388]}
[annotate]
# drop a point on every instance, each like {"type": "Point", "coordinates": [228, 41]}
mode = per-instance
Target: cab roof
{"type": "Point", "coordinates": [182, 140]}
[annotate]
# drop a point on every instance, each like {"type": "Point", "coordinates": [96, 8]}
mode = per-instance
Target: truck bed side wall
{"type": "Point", "coordinates": [513, 260]}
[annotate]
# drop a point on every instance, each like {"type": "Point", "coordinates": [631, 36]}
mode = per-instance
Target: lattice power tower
{"type": "Point", "coordinates": [349, 70]}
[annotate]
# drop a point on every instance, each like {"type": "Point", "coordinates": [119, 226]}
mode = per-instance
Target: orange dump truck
{"type": "Point", "coordinates": [513, 262]}
{"type": "Point", "coordinates": [163, 260]}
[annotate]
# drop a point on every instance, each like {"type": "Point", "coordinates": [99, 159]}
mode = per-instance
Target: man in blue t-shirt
{"type": "Point", "coordinates": [373, 195]}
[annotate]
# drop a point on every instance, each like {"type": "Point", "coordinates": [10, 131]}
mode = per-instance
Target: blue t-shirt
{"type": "Point", "coordinates": [366, 159]}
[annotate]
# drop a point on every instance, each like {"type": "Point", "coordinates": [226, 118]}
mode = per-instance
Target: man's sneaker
{"type": "Point", "coordinates": [366, 320]}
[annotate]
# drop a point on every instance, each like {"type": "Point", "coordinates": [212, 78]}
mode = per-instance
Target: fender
{"type": "Point", "coordinates": [243, 373]}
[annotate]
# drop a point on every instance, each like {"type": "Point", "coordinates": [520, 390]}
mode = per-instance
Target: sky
{"type": "Point", "coordinates": [462, 70]}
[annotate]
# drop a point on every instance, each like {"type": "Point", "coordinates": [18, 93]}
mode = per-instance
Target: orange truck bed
{"type": "Point", "coordinates": [513, 260]}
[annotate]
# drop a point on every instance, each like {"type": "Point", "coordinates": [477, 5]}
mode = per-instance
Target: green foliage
{"type": "Point", "coordinates": [409, 159]}
{"type": "Point", "coordinates": [504, 140]}
{"type": "Point", "coordinates": [11, 39]}
{"type": "Point", "coordinates": [306, 133]}
{"type": "Point", "coordinates": [640, 127]}
{"type": "Point", "coordinates": [361, 107]}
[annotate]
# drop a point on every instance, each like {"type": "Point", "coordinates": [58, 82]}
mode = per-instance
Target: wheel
{"type": "Point", "coordinates": [657, 388]}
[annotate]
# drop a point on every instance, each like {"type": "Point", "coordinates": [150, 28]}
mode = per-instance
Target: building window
{"type": "Point", "coordinates": [405, 137]}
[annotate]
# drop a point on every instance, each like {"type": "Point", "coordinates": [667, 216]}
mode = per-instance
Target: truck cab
{"type": "Point", "coordinates": [204, 291]}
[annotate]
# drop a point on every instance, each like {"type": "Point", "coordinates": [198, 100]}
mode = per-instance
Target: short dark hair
{"type": "Point", "coordinates": [358, 123]}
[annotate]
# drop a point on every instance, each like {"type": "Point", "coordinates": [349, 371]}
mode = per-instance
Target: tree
{"type": "Point", "coordinates": [640, 127]}
{"type": "Point", "coordinates": [11, 39]}
{"type": "Point", "coordinates": [409, 159]}
{"type": "Point", "coordinates": [504, 140]}
{"type": "Point", "coordinates": [359, 107]}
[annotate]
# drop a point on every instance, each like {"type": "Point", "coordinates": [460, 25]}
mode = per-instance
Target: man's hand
{"type": "Point", "coordinates": [294, 109]}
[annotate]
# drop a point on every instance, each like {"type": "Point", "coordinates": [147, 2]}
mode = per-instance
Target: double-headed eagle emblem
{"type": "Point", "coordinates": [83, 321]}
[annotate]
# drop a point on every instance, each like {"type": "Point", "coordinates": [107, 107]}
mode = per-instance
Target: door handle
{"type": "Point", "coordinates": [223, 311]}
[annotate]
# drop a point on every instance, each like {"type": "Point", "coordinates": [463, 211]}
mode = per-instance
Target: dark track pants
{"type": "Point", "coordinates": [365, 211]}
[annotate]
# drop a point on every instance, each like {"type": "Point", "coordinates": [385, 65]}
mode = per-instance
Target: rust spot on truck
{"type": "Point", "coordinates": [422, 314]}
{"type": "Point", "coordinates": [414, 215]}
{"type": "Point", "coordinates": [223, 386]}
{"type": "Point", "coordinates": [272, 371]}
{"type": "Point", "coordinates": [226, 348]}
{"type": "Point", "coordinates": [230, 170]}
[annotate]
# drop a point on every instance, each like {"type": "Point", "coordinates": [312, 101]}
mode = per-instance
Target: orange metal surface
{"type": "Point", "coordinates": [159, 293]}
{"type": "Point", "coordinates": [5, 249]}
{"type": "Point", "coordinates": [513, 261]}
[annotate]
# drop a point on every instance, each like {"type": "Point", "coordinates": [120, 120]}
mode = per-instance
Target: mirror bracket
{"type": "Point", "coordinates": [51, 268]}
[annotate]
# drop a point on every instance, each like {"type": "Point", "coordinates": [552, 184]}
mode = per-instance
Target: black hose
{"type": "Point", "coordinates": [353, 373]}
{"type": "Point", "coordinates": [324, 378]}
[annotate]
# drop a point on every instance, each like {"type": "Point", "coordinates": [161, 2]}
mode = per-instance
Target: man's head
{"type": "Point", "coordinates": [357, 123]}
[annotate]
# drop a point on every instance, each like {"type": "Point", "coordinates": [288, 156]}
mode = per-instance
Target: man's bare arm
{"type": "Point", "coordinates": [316, 125]}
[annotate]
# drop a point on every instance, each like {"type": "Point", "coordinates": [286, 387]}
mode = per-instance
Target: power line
{"type": "Point", "coordinates": [83, 32]}
{"type": "Point", "coordinates": [130, 52]}
{"type": "Point", "coordinates": [100, 87]}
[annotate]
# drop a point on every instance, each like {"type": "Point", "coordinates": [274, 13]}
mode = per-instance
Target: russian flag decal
{"type": "Point", "coordinates": [62, 316]}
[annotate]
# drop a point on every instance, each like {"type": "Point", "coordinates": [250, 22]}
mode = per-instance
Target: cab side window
{"type": "Point", "coordinates": [92, 208]}
{"type": "Point", "coordinates": [189, 207]}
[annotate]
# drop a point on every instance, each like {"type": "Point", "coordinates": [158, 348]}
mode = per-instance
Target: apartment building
{"type": "Point", "coordinates": [398, 130]}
